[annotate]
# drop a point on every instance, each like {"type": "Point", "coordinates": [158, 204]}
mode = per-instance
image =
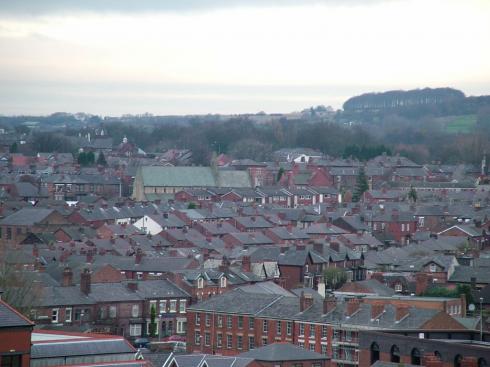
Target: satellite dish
{"type": "Point", "coordinates": [471, 307]}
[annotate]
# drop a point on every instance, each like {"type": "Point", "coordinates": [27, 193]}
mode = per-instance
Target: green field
{"type": "Point", "coordinates": [461, 124]}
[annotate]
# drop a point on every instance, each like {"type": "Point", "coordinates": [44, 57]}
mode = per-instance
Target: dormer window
{"type": "Point", "coordinates": [223, 282]}
{"type": "Point", "coordinates": [200, 283]}
{"type": "Point", "coordinates": [433, 268]}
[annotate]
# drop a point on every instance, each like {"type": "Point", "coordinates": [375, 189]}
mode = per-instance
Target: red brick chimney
{"type": "Point", "coordinates": [67, 280]}
{"type": "Point", "coordinates": [246, 264]}
{"type": "Point", "coordinates": [329, 303]}
{"type": "Point", "coordinates": [376, 310]}
{"type": "Point", "coordinates": [318, 247]}
{"type": "Point", "coordinates": [353, 305]}
{"type": "Point", "coordinates": [139, 256]}
{"type": "Point", "coordinates": [401, 311]}
{"type": "Point", "coordinates": [85, 281]}
{"type": "Point", "coordinates": [305, 301]}
{"type": "Point", "coordinates": [335, 246]}
{"type": "Point", "coordinates": [132, 286]}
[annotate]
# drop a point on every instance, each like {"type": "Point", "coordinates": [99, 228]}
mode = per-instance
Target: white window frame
{"type": "Point", "coordinates": [68, 311]}
{"type": "Point", "coordinates": [222, 282]}
{"type": "Point", "coordinates": [200, 283]}
{"type": "Point", "coordinates": [163, 306]}
{"type": "Point", "coordinates": [173, 305]}
{"type": "Point", "coordinates": [135, 311]}
{"type": "Point", "coordinates": [182, 306]}
{"type": "Point", "coordinates": [55, 313]}
{"type": "Point", "coordinates": [135, 329]}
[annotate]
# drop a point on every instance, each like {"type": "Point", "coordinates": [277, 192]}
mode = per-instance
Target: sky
{"type": "Point", "coordinates": [112, 57]}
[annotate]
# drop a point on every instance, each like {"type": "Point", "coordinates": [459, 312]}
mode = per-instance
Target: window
{"type": "Point", "coordinates": [311, 346]}
{"type": "Point", "coordinates": [9, 233]}
{"type": "Point", "coordinates": [219, 340]}
{"type": "Point", "coordinates": [348, 335]}
{"type": "Point", "coordinates": [239, 342]}
{"type": "Point", "coordinates": [301, 329]}
{"type": "Point", "coordinates": [68, 313]}
{"type": "Point", "coordinates": [223, 282]}
{"type": "Point", "coordinates": [395, 354]}
{"type": "Point", "coordinates": [398, 287]}
{"type": "Point", "coordinates": [197, 338]}
{"type": "Point", "coordinates": [251, 323]}
{"type": "Point", "coordinates": [240, 322]}
{"type": "Point", "coordinates": [312, 331]}
{"type": "Point", "coordinates": [198, 318]}
{"type": "Point", "coordinates": [207, 339]}
{"type": "Point", "coordinates": [220, 321]}
{"type": "Point", "coordinates": [265, 326]}
{"type": "Point", "coordinates": [229, 322]}
{"type": "Point", "coordinates": [251, 342]}
{"type": "Point", "coordinates": [289, 327]}
{"type": "Point", "coordinates": [403, 227]}
{"type": "Point", "coordinates": [324, 349]}
{"type": "Point", "coordinates": [415, 357]}
{"type": "Point", "coordinates": [182, 305]}
{"type": "Point", "coordinates": [207, 319]}
{"type": "Point", "coordinates": [135, 330]}
{"type": "Point", "coordinates": [278, 327]}
{"type": "Point", "coordinates": [200, 283]}
{"type": "Point", "coordinates": [54, 315]}
{"type": "Point", "coordinates": [11, 360]}
{"type": "Point", "coordinates": [181, 326]}
{"type": "Point", "coordinates": [374, 353]}
{"type": "Point", "coordinates": [408, 227]}
{"type": "Point", "coordinates": [135, 311]}
{"type": "Point", "coordinates": [301, 345]}
{"type": "Point", "coordinates": [173, 305]}
{"type": "Point", "coordinates": [229, 341]}
{"type": "Point", "coordinates": [102, 313]}
{"type": "Point", "coordinates": [433, 268]}
{"type": "Point", "coordinates": [324, 331]}
{"type": "Point", "coordinates": [264, 341]}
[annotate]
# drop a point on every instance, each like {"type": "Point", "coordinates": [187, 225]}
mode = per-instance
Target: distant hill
{"type": "Point", "coordinates": [413, 104]}
{"type": "Point", "coordinates": [400, 98]}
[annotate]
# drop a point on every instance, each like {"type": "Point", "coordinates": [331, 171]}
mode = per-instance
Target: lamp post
{"type": "Point", "coordinates": [481, 318]}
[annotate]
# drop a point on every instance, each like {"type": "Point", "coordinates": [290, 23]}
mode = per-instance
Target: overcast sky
{"type": "Point", "coordinates": [112, 57]}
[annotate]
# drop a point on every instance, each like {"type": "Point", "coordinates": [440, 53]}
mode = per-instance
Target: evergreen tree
{"type": "Point", "coordinates": [101, 159]}
{"type": "Point", "coordinates": [279, 174]}
{"type": "Point", "coordinates": [361, 185]}
{"type": "Point", "coordinates": [153, 324]}
{"type": "Point", "coordinates": [412, 194]}
{"type": "Point", "coordinates": [14, 148]}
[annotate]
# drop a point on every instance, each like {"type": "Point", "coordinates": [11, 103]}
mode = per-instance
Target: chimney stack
{"type": "Point", "coordinates": [305, 301]}
{"type": "Point", "coordinates": [246, 264]}
{"type": "Point", "coordinates": [335, 246]}
{"type": "Point", "coordinates": [401, 312]}
{"type": "Point", "coordinates": [132, 286]}
{"type": "Point", "coordinates": [353, 305]}
{"type": "Point", "coordinates": [67, 277]}
{"type": "Point", "coordinates": [376, 310]}
{"type": "Point", "coordinates": [329, 303]}
{"type": "Point", "coordinates": [300, 247]}
{"type": "Point", "coordinates": [85, 281]}
{"type": "Point", "coordinates": [318, 247]}
{"type": "Point", "coordinates": [138, 256]}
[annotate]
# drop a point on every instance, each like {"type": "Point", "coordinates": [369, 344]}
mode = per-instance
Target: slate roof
{"type": "Point", "coordinates": [80, 347]}
{"type": "Point", "coordinates": [282, 352]}
{"type": "Point", "coordinates": [9, 317]}
{"type": "Point", "coordinates": [26, 217]}
{"type": "Point", "coordinates": [192, 177]}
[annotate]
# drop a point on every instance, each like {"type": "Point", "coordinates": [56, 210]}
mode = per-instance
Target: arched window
{"type": "Point", "coordinates": [415, 356]}
{"type": "Point", "coordinates": [457, 360]}
{"type": "Point", "coordinates": [482, 362]}
{"type": "Point", "coordinates": [395, 354]}
{"type": "Point", "coordinates": [438, 355]}
{"type": "Point", "coordinates": [200, 283]}
{"type": "Point", "coordinates": [374, 353]}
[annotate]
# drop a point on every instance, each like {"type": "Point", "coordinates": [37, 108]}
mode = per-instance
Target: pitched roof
{"type": "Point", "coordinates": [26, 217]}
{"type": "Point", "coordinates": [9, 317]}
{"type": "Point", "coordinates": [282, 352]}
